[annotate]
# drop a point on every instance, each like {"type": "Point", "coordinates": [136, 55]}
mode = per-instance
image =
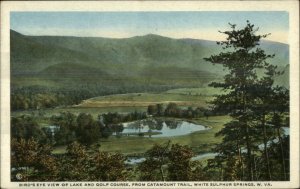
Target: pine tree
{"type": "Point", "coordinates": [280, 97]}
{"type": "Point", "coordinates": [242, 57]}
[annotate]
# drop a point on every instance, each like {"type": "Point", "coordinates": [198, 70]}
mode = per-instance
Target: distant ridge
{"type": "Point", "coordinates": [191, 40]}
{"type": "Point", "coordinates": [148, 59]}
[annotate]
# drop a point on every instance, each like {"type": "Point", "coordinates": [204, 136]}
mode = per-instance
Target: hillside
{"type": "Point", "coordinates": [142, 61]}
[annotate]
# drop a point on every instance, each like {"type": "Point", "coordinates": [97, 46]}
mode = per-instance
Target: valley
{"type": "Point", "coordinates": [93, 98]}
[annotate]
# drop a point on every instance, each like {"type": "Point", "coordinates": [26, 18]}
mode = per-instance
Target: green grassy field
{"type": "Point", "coordinates": [125, 103]}
{"type": "Point", "coordinates": [145, 99]}
{"type": "Point", "coordinates": [200, 142]}
{"type": "Point", "coordinates": [202, 91]}
{"type": "Point", "coordinates": [184, 97]}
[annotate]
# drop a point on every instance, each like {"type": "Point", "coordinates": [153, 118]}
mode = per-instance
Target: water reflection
{"type": "Point", "coordinates": [160, 128]}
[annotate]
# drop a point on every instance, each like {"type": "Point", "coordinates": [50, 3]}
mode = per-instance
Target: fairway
{"type": "Point", "coordinates": [200, 91]}
{"type": "Point", "coordinates": [131, 102]}
{"type": "Point", "coordinates": [145, 99]}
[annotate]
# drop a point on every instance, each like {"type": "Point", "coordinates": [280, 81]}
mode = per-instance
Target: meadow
{"type": "Point", "coordinates": [145, 99]}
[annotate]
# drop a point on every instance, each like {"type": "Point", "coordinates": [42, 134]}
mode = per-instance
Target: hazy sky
{"type": "Point", "coordinates": [199, 25]}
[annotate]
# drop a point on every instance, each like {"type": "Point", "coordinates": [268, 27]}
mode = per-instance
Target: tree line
{"type": "Point", "coordinates": [68, 127]}
{"type": "Point", "coordinates": [173, 110]}
{"type": "Point", "coordinates": [39, 97]}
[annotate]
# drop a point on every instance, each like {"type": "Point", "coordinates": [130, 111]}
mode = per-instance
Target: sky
{"type": "Point", "coordinates": [177, 24]}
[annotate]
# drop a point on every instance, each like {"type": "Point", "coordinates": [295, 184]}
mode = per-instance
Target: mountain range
{"type": "Point", "coordinates": [65, 61]}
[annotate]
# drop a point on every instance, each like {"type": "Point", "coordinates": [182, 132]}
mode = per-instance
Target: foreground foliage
{"type": "Point", "coordinates": [170, 163]}
{"type": "Point", "coordinates": [34, 162]}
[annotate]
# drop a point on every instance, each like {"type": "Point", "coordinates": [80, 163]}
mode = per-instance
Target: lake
{"type": "Point", "coordinates": [154, 127]}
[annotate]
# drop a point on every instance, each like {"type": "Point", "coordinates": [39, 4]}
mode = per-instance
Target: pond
{"type": "Point", "coordinates": [160, 128]}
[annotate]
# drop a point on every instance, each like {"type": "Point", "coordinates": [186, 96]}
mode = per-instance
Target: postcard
{"type": "Point", "coordinates": [149, 94]}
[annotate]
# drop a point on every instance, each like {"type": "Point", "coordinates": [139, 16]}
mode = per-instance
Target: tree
{"type": "Point", "coordinates": [88, 130]}
{"type": "Point", "coordinates": [172, 109]}
{"type": "Point", "coordinates": [116, 128]}
{"type": "Point", "coordinates": [152, 109]}
{"type": "Point", "coordinates": [67, 124]}
{"type": "Point", "coordinates": [280, 156]}
{"type": "Point", "coordinates": [265, 94]}
{"type": "Point", "coordinates": [281, 99]}
{"type": "Point", "coordinates": [242, 58]}
{"type": "Point", "coordinates": [109, 167]}
{"type": "Point", "coordinates": [152, 169]}
{"type": "Point", "coordinates": [180, 168]}
{"type": "Point", "coordinates": [25, 127]}
{"type": "Point", "coordinates": [45, 164]}
{"type": "Point", "coordinates": [170, 162]}
{"type": "Point", "coordinates": [111, 118]}
{"type": "Point", "coordinates": [32, 161]}
{"type": "Point", "coordinates": [75, 164]}
{"type": "Point", "coordinates": [160, 109]}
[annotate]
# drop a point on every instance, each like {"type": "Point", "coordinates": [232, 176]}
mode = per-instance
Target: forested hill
{"type": "Point", "coordinates": [144, 61]}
